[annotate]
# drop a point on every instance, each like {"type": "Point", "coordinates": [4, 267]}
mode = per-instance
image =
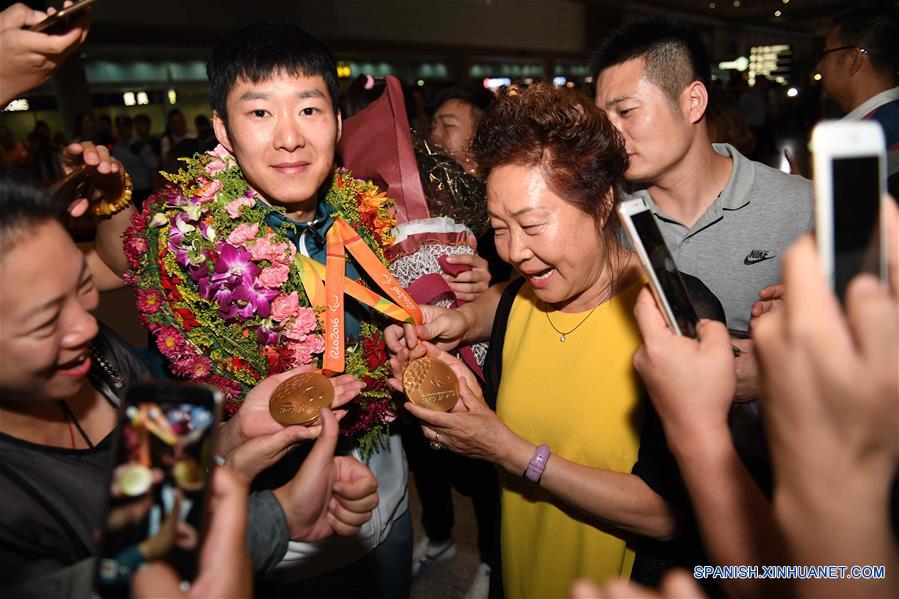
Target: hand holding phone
{"type": "Point", "coordinates": [157, 483]}
{"type": "Point", "coordinates": [63, 19]}
{"type": "Point", "coordinates": [30, 58]}
{"type": "Point", "coordinates": [664, 279]}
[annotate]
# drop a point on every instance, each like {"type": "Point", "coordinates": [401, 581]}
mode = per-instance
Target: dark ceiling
{"type": "Point", "coordinates": [797, 15]}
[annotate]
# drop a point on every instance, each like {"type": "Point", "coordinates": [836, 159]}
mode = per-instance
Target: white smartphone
{"type": "Point", "coordinates": [664, 278]}
{"type": "Point", "coordinates": [850, 176]}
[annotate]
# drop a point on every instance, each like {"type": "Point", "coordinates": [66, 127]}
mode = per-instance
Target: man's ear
{"type": "Point", "coordinates": [856, 62]}
{"type": "Point", "coordinates": [339, 126]}
{"type": "Point", "coordinates": [697, 99]}
{"type": "Point", "coordinates": [221, 131]}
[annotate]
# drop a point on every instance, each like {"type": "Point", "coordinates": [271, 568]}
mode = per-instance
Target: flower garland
{"type": "Point", "coordinates": [217, 285]}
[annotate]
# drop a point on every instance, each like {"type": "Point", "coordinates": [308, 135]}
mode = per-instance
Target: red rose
{"type": "Point", "coordinates": [375, 351]}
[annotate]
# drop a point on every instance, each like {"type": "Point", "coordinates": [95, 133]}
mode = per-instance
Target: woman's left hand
{"type": "Point", "coordinates": [471, 428]}
{"type": "Point", "coordinates": [106, 173]}
{"type": "Point", "coordinates": [469, 285]}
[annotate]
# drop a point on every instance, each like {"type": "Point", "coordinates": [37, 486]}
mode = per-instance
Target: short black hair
{"type": "Point", "coordinates": [142, 118]}
{"type": "Point", "coordinates": [673, 53]}
{"type": "Point", "coordinates": [476, 95]}
{"type": "Point", "coordinates": [874, 27]}
{"type": "Point", "coordinates": [258, 51]}
{"type": "Point", "coordinates": [22, 208]}
{"type": "Point", "coordinates": [123, 119]}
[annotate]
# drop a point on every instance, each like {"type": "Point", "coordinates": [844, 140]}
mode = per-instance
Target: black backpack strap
{"type": "Point", "coordinates": [493, 366]}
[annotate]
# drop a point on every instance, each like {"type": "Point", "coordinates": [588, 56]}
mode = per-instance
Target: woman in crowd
{"type": "Point", "coordinates": [62, 377]}
{"type": "Point", "coordinates": [563, 330]}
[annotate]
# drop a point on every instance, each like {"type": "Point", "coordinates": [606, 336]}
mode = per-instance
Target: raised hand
{"type": "Point", "coordinates": [30, 57]}
{"type": "Point", "coordinates": [225, 568]}
{"type": "Point", "coordinates": [443, 327]}
{"type": "Point", "coordinates": [313, 508]}
{"type": "Point", "coordinates": [106, 173]}
{"type": "Point", "coordinates": [691, 382]}
{"type": "Point", "coordinates": [468, 285]}
{"type": "Point", "coordinates": [255, 420]}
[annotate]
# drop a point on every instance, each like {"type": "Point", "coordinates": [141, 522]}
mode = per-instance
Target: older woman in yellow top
{"type": "Point", "coordinates": [567, 427]}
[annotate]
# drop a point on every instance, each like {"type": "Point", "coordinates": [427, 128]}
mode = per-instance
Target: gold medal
{"type": "Point", "coordinates": [431, 384]}
{"type": "Point", "coordinates": [133, 480]}
{"type": "Point", "coordinates": [299, 399]}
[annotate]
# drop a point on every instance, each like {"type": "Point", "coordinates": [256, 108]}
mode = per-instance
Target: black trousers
{"type": "Point", "coordinates": [437, 472]}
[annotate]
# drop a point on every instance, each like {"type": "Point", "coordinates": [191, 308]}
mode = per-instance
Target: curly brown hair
{"type": "Point", "coordinates": [560, 130]}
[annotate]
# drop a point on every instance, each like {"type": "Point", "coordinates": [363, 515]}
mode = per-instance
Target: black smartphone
{"type": "Point", "coordinates": [664, 278]}
{"type": "Point", "coordinates": [156, 503]}
{"type": "Point", "coordinates": [76, 184]}
{"type": "Point", "coordinates": [64, 19]}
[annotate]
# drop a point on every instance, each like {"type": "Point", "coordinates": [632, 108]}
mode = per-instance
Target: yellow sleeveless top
{"type": "Point", "coordinates": [582, 398]}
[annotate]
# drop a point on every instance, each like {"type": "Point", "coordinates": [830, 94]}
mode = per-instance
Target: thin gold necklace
{"type": "Point", "coordinates": [563, 335]}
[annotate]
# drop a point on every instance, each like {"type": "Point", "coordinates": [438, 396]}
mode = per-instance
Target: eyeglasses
{"type": "Point", "coordinates": [826, 51]}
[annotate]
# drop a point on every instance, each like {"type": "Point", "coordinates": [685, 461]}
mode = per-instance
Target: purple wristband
{"type": "Point", "coordinates": [537, 464]}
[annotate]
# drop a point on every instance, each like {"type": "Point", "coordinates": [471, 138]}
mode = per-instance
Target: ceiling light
{"type": "Point", "coordinates": [777, 13]}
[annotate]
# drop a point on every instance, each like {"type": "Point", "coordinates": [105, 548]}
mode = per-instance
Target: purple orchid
{"type": "Point", "coordinates": [247, 300]}
{"type": "Point", "coordinates": [234, 263]}
{"type": "Point", "coordinates": [267, 336]}
{"type": "Point", "coordinates": [232, 283]}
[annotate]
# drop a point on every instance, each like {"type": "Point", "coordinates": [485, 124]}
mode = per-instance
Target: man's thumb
{"type": "Point", "coordinates": [323, 450]}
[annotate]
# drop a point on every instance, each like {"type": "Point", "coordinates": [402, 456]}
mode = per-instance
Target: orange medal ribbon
{"type": "Point", "coordinates": [328, 297]}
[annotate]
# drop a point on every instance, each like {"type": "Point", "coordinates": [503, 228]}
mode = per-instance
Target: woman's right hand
{"type": "Point", "coordinates": [443, 327]}
{"type": "Point", "coordinates": [107, 173]}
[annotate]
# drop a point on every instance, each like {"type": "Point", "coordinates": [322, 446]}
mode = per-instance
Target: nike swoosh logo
{"type": "Point", "coordinates": [747, 261]}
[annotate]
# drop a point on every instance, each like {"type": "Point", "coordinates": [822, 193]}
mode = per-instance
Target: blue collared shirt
{"type": "Point", "coordinates": [309, 239]}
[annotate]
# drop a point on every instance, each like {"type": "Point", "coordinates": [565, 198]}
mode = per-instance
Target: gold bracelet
{"type": "Point", "coordinates": [108, 208]}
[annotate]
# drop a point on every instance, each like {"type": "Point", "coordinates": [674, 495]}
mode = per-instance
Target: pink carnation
{"type": "Point", "coordinates": [286, 254]}
{"type": "Point", "coordinates": [149, 300]}
{"type": "Point", "coordinates": [208, 191]}
{"type": "Point", "coordinates": [214, 167]}
{"type": "Point", "coordinates": [220, 152]}
{"type": "Point", "coordinates": [285, 306]}
{"type": "Point", "coordinates": [274, 276]}
{"type": "Point", "coordinates": [263, 248]}
{"type": "Point", "coordinates": [304, 350]}
{"type": "Point", "coordinates": [276, 253]}
{"type": "Point", "coordinates": [243, 233]}
{"type": "Point", "coordinates": [233, 207]}
{"type": "Point", "coordinates": [302, 325]}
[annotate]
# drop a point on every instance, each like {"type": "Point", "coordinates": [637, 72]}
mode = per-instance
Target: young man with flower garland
{"type": "Point", "coordinates": [222, 262]}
